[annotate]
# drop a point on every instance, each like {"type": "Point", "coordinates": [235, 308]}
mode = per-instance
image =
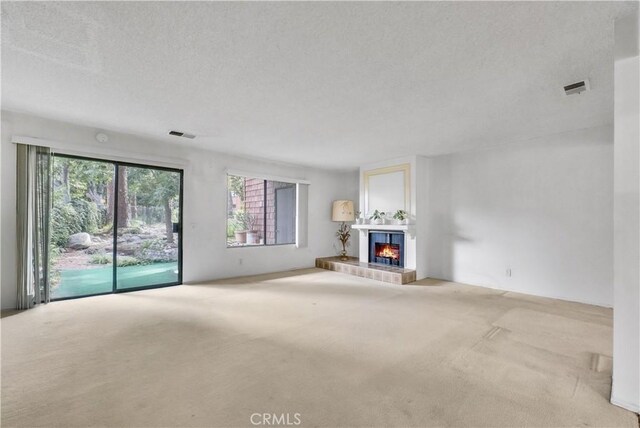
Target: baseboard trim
{"type": "Point", "coordinates": [548, 296]}
{"type": "Point", "coordinates": [634, 407]}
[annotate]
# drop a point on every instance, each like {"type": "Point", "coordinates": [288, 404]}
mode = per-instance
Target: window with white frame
{"type": "Point", "coordinates": [260, 211]}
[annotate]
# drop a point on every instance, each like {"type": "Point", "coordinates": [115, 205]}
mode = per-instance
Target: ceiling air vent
{"type": "Point", "coordinates": [182, 134]}
{"type": "Point", "coordinates": [577, 88]}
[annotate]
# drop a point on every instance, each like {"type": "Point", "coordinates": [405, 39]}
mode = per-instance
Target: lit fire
{"type": "Point", "coordinates": [387, 251]}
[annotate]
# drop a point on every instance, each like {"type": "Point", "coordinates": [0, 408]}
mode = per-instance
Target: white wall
{"type": "Point", "coordinates": [626, 313]}
{"type": "Point", "coordinates": [205, 253]}
{"type": "Point", "coordinates": [423, 196]}
{"type": "Point", "coordinates": [542, 208]}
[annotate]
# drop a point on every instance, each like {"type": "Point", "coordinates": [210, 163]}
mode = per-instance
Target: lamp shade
{"type": "Point", "coordinates": [343, 211]}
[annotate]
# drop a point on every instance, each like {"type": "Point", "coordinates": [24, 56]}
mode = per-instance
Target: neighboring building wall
{"type": "Point", "coordinates": [254, 202]}
{"type": "Point", "coordinates": [271, 212]}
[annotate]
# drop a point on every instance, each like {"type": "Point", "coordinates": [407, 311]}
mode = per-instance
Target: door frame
{"type": "Point", "coordinates": [275, 206]}
{"type": "Point", "coordinates": [116, 164]}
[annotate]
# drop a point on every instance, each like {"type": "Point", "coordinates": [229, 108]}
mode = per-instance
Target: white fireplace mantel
{"type": "Point", "coordinates": [406, 228]}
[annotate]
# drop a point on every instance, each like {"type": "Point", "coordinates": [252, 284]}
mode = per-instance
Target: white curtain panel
{"type": "Point", "coordinates": [302, 215]}
{"type": "Point", "coordinates": [33, 206]}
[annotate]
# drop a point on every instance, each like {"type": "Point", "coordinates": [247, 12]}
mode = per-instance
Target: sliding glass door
{"type": "Point", "coordinates": [81, 249]}
{"type": "Point", "coordinates": [92, 199]}
{"type": "Point", "coordinates": [149, 234]}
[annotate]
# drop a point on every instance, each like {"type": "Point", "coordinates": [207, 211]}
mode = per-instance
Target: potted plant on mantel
{"type": "Point", "coordinates": [377, 217]}
{"type": "Point", "coordinates": [401, 217]}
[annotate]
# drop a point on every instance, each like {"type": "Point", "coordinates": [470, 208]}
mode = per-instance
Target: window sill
{"type": "Point", "coordinates": [260, 246]}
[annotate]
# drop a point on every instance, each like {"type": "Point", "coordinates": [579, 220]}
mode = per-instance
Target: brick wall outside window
{"type": "Point", "coordinates": [254, 202]}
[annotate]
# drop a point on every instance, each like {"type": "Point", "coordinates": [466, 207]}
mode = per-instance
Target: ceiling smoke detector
{"type": "Point", "coordinates": [102, 138]}
{"type": "Point", "coordinates": [577, 88]}
{"type": "Point", "coordinates": [182, 134]}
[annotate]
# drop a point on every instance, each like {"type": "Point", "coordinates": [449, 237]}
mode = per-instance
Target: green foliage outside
{"type": "Point", "coordinates": [100, 259]}
{"type": "Point", "coordinates": [154, 187]}
{"type": "Point", "coordinates": [240, 220]}
{"type": "Point", "coordinates": [133, 230]}
{"type": "Point", "coordinates": [77, 216]}
{"type": "Point", "coordinates": [152, 244]}
{"type": "Point", "coordinates": [78, 188]}
{"type": "Point", "coordinates": [82, 190]}
{"type": "Point", "coordinates": [149, 251]}
{"type": "Point", "coordinates": [152, 251]}
{"type": "Point", "coordinates": [236, 186]}
{"type": "Point", "coordinates": [54, 274]}
{"type": "Point", "coordinates": [124, 261]}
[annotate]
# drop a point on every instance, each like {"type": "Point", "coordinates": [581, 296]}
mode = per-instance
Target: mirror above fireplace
{"type": "Point", "coordinates": [387, 189]}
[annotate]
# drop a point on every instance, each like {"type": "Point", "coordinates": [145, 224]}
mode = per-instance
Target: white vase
{"type": "Point", "coordinates": [253, 237]}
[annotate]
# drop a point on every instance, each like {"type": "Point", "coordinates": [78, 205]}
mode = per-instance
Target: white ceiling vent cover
{"type": "Point", "coordinates": [577, 88]}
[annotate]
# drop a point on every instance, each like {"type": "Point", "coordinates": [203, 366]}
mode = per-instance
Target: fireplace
{"type": "Point", "coordinates": [386, 248]}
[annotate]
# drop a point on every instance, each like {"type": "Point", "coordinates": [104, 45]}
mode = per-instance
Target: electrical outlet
{"type": "Point", "coordinates": [239, 261]}
{"type": "Point", "coordinates": [508, 272]}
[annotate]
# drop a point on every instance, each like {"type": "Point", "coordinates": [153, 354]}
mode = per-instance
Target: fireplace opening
{"type": "Point", "coordinates": [386, 248]}
{"type": "Point", "coordinates": [388, 251]}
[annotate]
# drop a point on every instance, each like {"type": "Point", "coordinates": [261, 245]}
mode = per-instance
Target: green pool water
{"type": "Point", "coordinates": [82, 282]}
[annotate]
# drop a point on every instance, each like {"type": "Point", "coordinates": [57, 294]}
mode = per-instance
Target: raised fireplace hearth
{"type": "Point", "coordinates": [386, 248]}
{"type": "Point", "coordinates": [375, 271]}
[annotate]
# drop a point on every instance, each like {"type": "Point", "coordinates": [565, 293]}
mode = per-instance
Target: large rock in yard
{"type": "Point", "coordinates": [159, 255]}
{"type": "Point", "coordinates": [127, 249]}
{"type": "Point", "coordinates": [79, 241]}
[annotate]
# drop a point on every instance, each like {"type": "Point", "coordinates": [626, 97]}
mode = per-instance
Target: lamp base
{"type": "Point", "coordinates": [343, 236]}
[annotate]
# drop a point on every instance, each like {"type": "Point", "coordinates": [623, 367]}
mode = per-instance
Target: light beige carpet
{"type": "Point", "coordinates": [337, 350]}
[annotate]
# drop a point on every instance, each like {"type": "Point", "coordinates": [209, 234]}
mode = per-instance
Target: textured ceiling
{"type": "Point", "coordinates": [325, 84]}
